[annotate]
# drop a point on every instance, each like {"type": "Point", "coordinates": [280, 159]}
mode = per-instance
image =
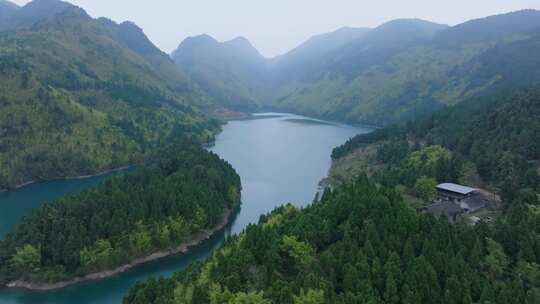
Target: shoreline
{"type": "Point", "coordinates": [194, 240]}
{"type": "Point", "coordinates": [101, 173]}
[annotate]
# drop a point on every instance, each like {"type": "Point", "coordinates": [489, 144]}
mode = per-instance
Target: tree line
{"type": "Point", "coordinates": [499, 135]}
{"type": "Point", "coordinates": [156, 206]}
{"type": "Point", "coordinates": [361, 243]}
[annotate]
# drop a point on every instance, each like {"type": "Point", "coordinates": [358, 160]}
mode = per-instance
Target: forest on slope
{"type": "Point", "coordinates": [156, 207]}
{"type": "Point", "coordinates": [492, 142]}
{"type": "Point", "coordinates": [361, 243]}
{"type": "Point", "coordinates": [364, 242]}
{"type": "Point", "coordinates": [395, 72]}
{"type": "Point", "coordinates": [81, 95]}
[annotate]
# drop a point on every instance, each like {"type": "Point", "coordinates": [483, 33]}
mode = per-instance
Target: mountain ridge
{"type": "Point", "coordinates": [391, 73]}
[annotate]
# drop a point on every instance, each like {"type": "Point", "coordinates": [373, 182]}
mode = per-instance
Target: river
{"type": "Point", "coordinates": [280, 158]}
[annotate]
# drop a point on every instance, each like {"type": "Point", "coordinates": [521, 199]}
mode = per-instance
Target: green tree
{"type": "Point", "coordinates": [300, 251]}
{"type": "Point", "coordinates": [27, 258]}
{"type": "Point", "coordinates": [310, 297]}
{"type": "Point", "coordinates": [183, 294]}
{"type": "Point", "coordinates": [249, 298]}
{"type": "Point", "coordinates": [391, 294]}
{"type": "Point", "coordinates": [496, 261]}
{"type": "Point", "coordinates": [425, 187]}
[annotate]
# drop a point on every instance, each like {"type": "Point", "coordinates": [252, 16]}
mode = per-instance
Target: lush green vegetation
{"type": "Point", "coordinates": [362, 244]}
{"type": "Point", "coordinates": [156, 207]}
{"type": "Point", "coordinates": [79, 96]}
{"type": "Point", "coordinates": [491, 141]}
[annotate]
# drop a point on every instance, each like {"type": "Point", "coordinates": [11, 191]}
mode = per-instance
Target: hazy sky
{"type": "Point", "coordinates": [276, 26]}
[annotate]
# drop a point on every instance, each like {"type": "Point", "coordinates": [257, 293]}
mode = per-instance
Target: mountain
{"type": "Point", "coordinates": [82, 96]}
{"type": "Point", "coordinates": [300, 60]}
{"type": "Point", "coordinates": [238, 77]}
{"type": "Point", "coordinates": [394, 72]}
{"type": "Point", "coordinates": [132, 36]}
{"type": "Point", "coordinates": [322, 44]}
{"type": "Point", "coordinates": [491, 28]}
{"type": "Point", "coordinates": [380, 44]}
{"type": "Point", "coordinates": [233, 72]}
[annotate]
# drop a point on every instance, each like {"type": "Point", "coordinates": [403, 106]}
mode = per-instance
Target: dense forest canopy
{"type": "Point", "coordinates": [155, 207]}
{"type": "Point", "coordinates": [363, 244]}
{"type": "Point", "coordinates": [496, 137]}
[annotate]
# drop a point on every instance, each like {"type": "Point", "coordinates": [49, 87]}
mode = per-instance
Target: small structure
{"type": "Point", "coordinates": [455, 192]}
{"type": "Point", "coordinates": [454, 200]}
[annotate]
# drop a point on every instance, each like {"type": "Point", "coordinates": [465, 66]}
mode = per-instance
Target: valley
{"type": "Point", "coordinates": [389, 74]}
{"type": "Point", "coordinates": [291, 150]}
{"type": "Point", "coordinates": [393, 163]}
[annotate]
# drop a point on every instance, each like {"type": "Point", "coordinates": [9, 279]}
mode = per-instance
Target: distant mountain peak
{"type": "Point", "coordinates": [239, 41]}
{"type": "Point", "coordinates": [131, 25]}
{"type": "Point", "coordinates": [132, 36]}
{"type": "Point", "coordinates": [56, 5]}
{"type": "Point", "coordinates": [35, 12]}
{"type": "Point", "coordinates": [201, 38]}
{"type": "Point", "coordinates": [410, 24]}
{"type": "Point", "coordinates": [243, 46]}
{"type": "Point", "coordinates": [400, 32]}
{"type": "Point", "coordinates": [135, 38]}
{"type": "Point", "coordinates": [238, 46]}
{"type": "Point", "coordinates": [410, 21]}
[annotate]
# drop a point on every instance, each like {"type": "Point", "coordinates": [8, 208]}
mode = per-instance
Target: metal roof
{"type": "Point", "coordinates": [456, 188]}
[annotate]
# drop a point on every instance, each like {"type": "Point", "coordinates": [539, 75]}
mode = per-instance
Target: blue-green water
{"type": "Point", "coordinates": [281, 159]}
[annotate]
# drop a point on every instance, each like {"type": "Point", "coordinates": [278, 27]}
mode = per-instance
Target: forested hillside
{"type": "Point", "coordinates": [362, 244]}
{"type": "Point", "coordinates": [156, 207]}
{"type": "Point", "coordinates": [494, 138]}
{"type": "Point", "coordinates": [395, 72]}
{"type": "Point", "coordinates": [80, 96]}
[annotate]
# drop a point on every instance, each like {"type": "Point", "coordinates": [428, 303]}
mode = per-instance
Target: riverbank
{"type": "Point", "coordinates": [194, 240]}
{"type": "Point", "coordinates": [225, 114]}
{"type": "Point", "coordinates": [101, 173]}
